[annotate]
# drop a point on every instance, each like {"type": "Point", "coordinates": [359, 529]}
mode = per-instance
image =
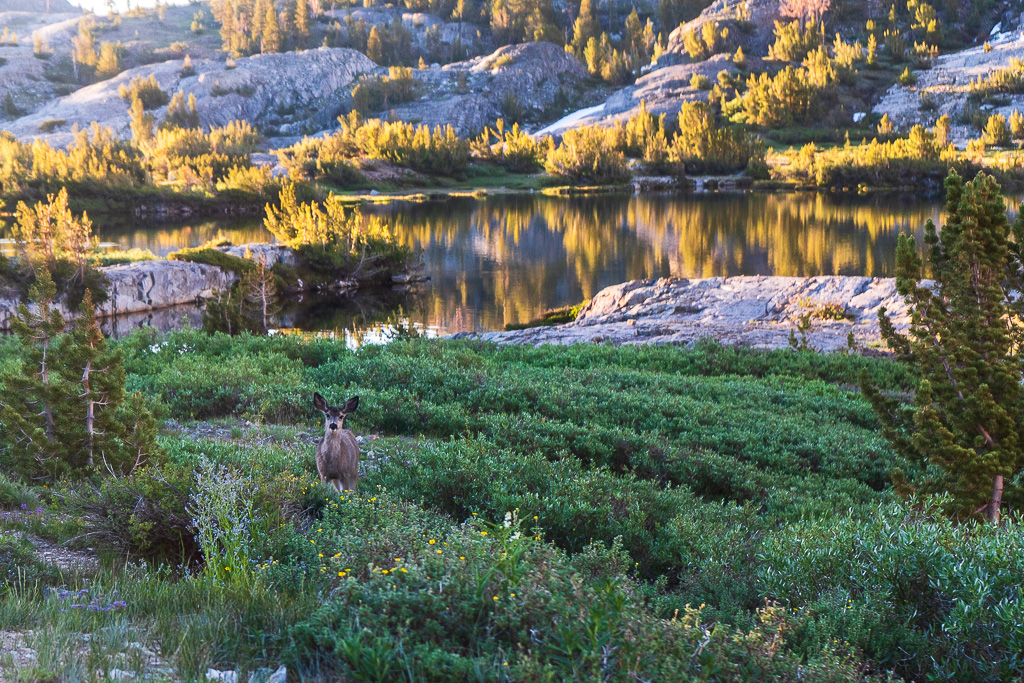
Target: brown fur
{"type": "Point", "coordinates": [337, 454]}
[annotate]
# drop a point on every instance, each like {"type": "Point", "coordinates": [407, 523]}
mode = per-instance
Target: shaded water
{"type": "Point", "coordinates": [499, 260]}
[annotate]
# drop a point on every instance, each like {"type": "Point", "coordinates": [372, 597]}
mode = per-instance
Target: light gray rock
{"type": "Point", "coordinates": [663, 91]}
{"type": "Point", "coordinates": [947, 86]}
{"type": "Point", "coordinates": [273, 253]}
{"type": "Point", "coordinates": [754, 311]}
{"type": "Point", "coordinates": [223, 676]}
{"type": "Point", "coordinates": [537, 75]}
{"type": "Point", "coordinates": [310, 86]}
{"type": "Point", "coordinates": [149, 285]}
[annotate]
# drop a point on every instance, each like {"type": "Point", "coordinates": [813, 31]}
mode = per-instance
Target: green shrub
{"type": "Point", "coordinates": [583, 157]}
{"type": "Point", "coordinates": [905, 581]}
{"type": "Point", "coordinates": [996, 132]}
{"type": "Point", "coordinates": [147, 90]}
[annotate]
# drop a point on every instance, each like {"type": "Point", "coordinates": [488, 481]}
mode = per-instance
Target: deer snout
{"type": "Point", "coordinates": [333, 425]}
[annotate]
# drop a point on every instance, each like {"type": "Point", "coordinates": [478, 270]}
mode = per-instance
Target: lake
{"type": "Point", "coordinates": [506, 259]}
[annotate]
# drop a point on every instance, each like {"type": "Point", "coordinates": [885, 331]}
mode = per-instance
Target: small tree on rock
{"type": "Point", "coordinates": [966, 337]}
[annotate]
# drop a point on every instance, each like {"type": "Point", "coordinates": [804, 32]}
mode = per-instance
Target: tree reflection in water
{"type": "Point", "coordinates": [499, 260]}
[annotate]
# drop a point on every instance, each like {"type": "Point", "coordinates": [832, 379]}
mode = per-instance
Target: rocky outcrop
{"type": "Point", "coordinates": [23, 76]}
{"type": "Point", "coordinates": [946, 87]}
{"type": "Point", "coordinates": [430, 33]}
{"type": "Point", "coordinates": [754, 32]}
{"type": "Point", "coordinates": [293, 92]}
{"type": "Point", "coordinates": [147, 286]}
{"type": "Point", "coordinates": [753, 311]}
{"type": "Point", "coordinates": [534, 77]}
{"type": "Point", "coordinates": [663, 91]}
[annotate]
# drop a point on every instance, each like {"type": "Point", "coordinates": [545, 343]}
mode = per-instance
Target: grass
{"type": "Point", "coordinates": [524, 514]}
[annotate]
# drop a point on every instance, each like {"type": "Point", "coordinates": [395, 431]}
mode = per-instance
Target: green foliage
{"type": "Point", "coordinates": [793, 95]}
{"type": "Point", "coordinates": [378, 93]}
{"type": "Point", "coordinates": [1008, 81]}
{"type": "Point", "coordinates": [94, 163]}
{"type": "Point", "coordinates": [438, 151]}
{"type": "Point", "coordinates": [211, 256]}
{"type": "Point", "coordinates": [915, 159]}
{"type": "Point", "coordinates": [65, 411]}
{"type": "Point", "coordinates": [582, 157]}
{"type": "Point", "coordinates": [795, 40]}
{"type": "Point", "coordinates": [181, 113]}
{"type": "Point", "coordinates": [335, 241]}
{"type": "Point", "coordinates": [907, 78]}
{"type": "Point", "coordinates": [904, 580]}
{"type": "Point", "coordinates": [147, 90]}
{"type": "Point", "coordinates": [512, 148]}
{"type": "Point", "coordinates": [709, 40]}
{"type": "Point", "coordinates": [996, 132]}
{"type": "Point", "coordinates": [557, 316]}
{"type": "Point", "coordinates": [701, 146]}
{"type": "Point", "coordinates": [966, 339]}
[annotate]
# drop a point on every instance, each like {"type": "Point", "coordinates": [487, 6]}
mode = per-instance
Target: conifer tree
{"type": "Point", "coordinates": [585, 28]}
{"type": "Point", "coordinates": [302, 22]}
{"type": "Point", "coordinates": [271, 39]}
{"type": "Point", "coordinates": [374, 50]}
{"type": "Point", "coordinates": [141, 124]}
{"type": "Point", "coordinates": [109, 63]}
{"type": "Point", "coordinates": [27, 406]}
{"type": "Point", "coordinates": [65, 411]}
{"type": "Point", "coordinates": [966, 338]}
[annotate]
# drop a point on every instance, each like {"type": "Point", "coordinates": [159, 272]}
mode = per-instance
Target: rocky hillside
{"type": "Point", "coordinates": [293, 92]}
{"type": "Point", "coordinates": [757, 311]}
{"type": "Point", "coordinates": [749, 22]}
{"type": "Point", "coordinates": [27, 81]}
{"type": "Point", "coordinates": [532, 81]}
{"type": "Point", "coordinates": [946, 87]}
{"type": "Point", "coordinates": [662, 90]}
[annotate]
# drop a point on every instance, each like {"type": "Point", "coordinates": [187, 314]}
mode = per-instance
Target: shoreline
{"type": "Point", "coordinates": [137, 290]}
{"type": "Point", "coordinates": [756, 311]}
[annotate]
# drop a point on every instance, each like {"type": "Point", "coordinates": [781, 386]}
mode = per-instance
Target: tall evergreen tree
{"type": "Point", "coordinates": [374, 49]}
{"type": "Point", "coordinates": [966, 338]}
{"type": "Point", "coordinates": [585, 27]}
{"type": "Point", "coordinates": [271, 40]}
{"type": "Point", "coordinates": [302, 22]}
{"type": "Point", "coordinates": [27, 407]}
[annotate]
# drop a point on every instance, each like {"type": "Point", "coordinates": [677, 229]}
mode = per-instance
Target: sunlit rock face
{"type": "Point", "coordinates": [294, 92]}
{"type": "Point", "coordinates": [754, 311]}
{"type": "Point", "coordinates": [535, 76]}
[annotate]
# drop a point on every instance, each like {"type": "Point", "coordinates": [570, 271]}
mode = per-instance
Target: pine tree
{"type": "Point", "coordinates": [585, 28]}
{"type": "Point", "coordinates": [65, 410]}
{"type": "Point", "coordinates": [141, 124]}
{"type": "Point", "coordinates": [302, 22]}
{"type": "Point", "coordinates": [109, 63]}
{"type": "Point", "coordinates": [91, 433]}
{"type": "Point", "coordinates": [271, 38]}
{"type": "Point", "coordinates": [27, 404]}
{"type": "Point", "coordinates": [374, 49]}
{"type": "Point", "coordinates": [966, 339]}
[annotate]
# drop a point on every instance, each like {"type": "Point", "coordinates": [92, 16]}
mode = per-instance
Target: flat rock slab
{"type": "Point", "coordinates": [148, 286]}
{"type": "Point", "coordinates": [756, 311]}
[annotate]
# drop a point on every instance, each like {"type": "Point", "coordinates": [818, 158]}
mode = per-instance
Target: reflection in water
{"type": "Point", "coordinates": [163, 238]}
{"type": "Point", "coordinates": [500, 260]}
{"type": "Point", "coordinates": [503, 260]}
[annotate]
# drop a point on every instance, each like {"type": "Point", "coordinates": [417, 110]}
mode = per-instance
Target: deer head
{"type": "Point", "coordinates": [335, 415]}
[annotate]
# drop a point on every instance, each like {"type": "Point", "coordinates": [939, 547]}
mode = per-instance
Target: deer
{"type": "Point", "coordinates": [337, 454]}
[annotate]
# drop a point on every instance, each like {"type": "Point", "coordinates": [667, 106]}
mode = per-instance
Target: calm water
{"type": "Point", "coordinates": [501, 260]}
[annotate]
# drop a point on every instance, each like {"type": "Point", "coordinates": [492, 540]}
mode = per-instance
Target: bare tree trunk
{"type": "Point", "coordinates": [45, 376]}
{"type": "Point", "coordinates": [90, 410]}
{"type": "Point", "coordinates": [997, 499]}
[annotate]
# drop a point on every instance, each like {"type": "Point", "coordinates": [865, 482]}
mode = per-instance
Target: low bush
{"type": "Point", "coordinates": [583, 157]}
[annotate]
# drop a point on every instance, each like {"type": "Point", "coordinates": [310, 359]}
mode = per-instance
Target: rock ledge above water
{"type": "Point", "coordinates": [757, 311]}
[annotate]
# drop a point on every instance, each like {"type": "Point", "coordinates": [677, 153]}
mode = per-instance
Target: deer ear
{"type": "Point", "coordinates": [351, 405]}
{"type": "Point", "coordinates": [319, 402]}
